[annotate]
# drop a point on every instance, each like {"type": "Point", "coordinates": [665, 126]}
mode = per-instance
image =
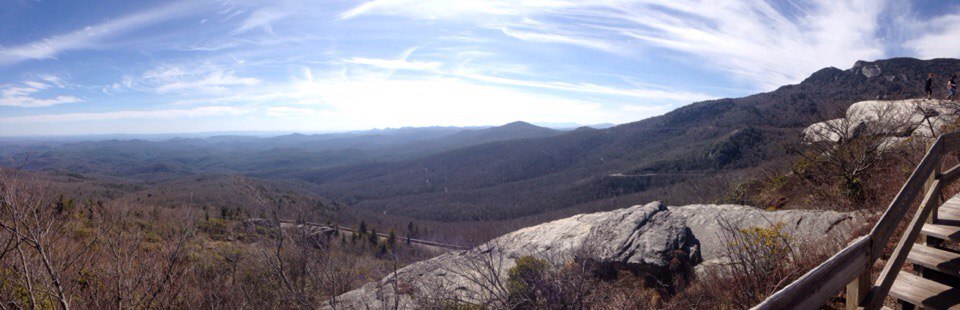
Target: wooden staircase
{"type": "Point", "coordinates": [937, 282]}
{"type": "Point", "coordinates": [933, 283]}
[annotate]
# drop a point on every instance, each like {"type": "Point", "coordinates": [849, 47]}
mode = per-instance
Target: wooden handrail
{"type": "Point", "coordinates": [816, 286]}
{"type": "Point", "coordinates": [884, 228]}
{"type": "Point", "coordinates": [890, 270]}
{"type": "Point", "coordinates": [949, 176]}
{"type": "Point", "coordinates": [854, 262]}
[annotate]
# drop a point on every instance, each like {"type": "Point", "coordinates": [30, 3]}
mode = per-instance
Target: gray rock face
{"type": "Point", "coordinates": [894, 119]}
{"type": "Point", "coordinates": [646, 236]}
{"type": "Point", "coordinates": [800, 225]}
{"type": "Point", "coordinates": [870, 71]}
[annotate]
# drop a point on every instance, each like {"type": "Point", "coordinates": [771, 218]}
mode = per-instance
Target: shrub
{"type": "Point", "coordinates": [215, 228]}
{"type": "Point", "coordinates": [522, 281]}
{"type": "Point", "coordinates": [759, 262]}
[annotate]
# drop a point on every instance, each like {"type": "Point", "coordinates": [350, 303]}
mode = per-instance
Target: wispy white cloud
{"type": "Point", "coordinates": [753, 40]}
{"type": "Point", "coordinates": [53, 80]}
{"type": "Point", "coordinates": [260, 19]}
{"type": "Point", "coordinates": [206, 78]}
{"type": "Point", "coordinates": [445, 9]}
{"type": "Point", "coordinates": [126, 82]}
{"type": "Point", "coordinates": [127, 115]}
{"type": "Point", "coordinates": [935, 38]}
{"type": "Point", "coordinates": [394, 64]}
{"type": "Point", "coordinates": [477, 74]}
{"type": "Point", "coordinates": [658, 93]}
{"type": "Point", "coordinates": [90, 36]}
{"type": "Point", "coordinates": [547, 37]}
{"type": "Point", "coordinates": [25, 94]}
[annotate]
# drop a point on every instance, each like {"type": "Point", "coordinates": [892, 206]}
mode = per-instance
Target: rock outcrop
{"type": "Point", "coordinates": [640, 236]}
{"type": "Point", "coordinates": [801, 225]}
{"type": "Point", "coordinates": [644, 236]}
{"type": "Point", "coordinates": [893, 119]}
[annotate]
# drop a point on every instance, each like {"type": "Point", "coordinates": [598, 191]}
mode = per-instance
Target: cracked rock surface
{"type": "Point", "coordinates": [643, 236]}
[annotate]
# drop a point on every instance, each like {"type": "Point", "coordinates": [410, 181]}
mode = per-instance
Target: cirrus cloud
{"type": "Point", "coordinates": [126, 115]}
{"type": "Point", "coordinates": [25, 95]}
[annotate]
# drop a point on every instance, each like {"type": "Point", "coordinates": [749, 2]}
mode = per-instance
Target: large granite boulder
{"type": "Point", "coordinates": [644, 237]}
{"type": "Point", "coordinates": [801, 225]}
{"type": "Point", "coordinates": [640, 236]}
{"type": "Point", "coordinates": [889, 118]}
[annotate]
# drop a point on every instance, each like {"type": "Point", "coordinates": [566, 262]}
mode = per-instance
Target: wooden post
{"type": "Point", "coordinates": [931, 241]}
{"type": "Point", "coordinates": [919, 269]}
{"type": "Point", "coordinates": [858, 290]}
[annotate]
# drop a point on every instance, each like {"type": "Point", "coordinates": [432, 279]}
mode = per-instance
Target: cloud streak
{"type": "Point", "coordinates": [24, 95]}
{"type": "Point", "coordinates": [261, 18]}
{"type": "Point", "coordinates": [127, 115]}
{"type": "Point", "coordinates": [206, 78]}
{"type": "Point", "coordinates": [477, 74]}
{"type": "Point", "coordinates": [89, 37]}
{"type": "Point", "coordinates": [753, 40]}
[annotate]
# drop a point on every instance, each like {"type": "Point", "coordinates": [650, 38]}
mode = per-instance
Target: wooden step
{"type": "Point", "coordinates": [949, 212]}
{"type": "Point", "coordinates": [940, 231]}
{"type": "Point", "coordinates": [925, 293]}
{"type": "Point", "coordinates": [935, 259]}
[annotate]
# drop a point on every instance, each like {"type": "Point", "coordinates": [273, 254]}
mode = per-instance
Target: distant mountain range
{"type": "Point", "coordinates": [268, 134]}
{"type": "Point", "coordinates": [511, 171]}
{"type": "Point", "coordinates": [266, 156]}
{"type": "Point", "coordinates": [572, 126]}
{"type": "Point", "coordinates": [517, 178]}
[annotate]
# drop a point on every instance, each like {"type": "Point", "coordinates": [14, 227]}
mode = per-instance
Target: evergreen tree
{"type": "Point", "coordinates": [382, 250]}
{"type": "Point", "coordinates": [363, 228]}
{"type": "Point", "coordinates": [392, 239]}
{"type": "Point", "coordinates": [373, 237]}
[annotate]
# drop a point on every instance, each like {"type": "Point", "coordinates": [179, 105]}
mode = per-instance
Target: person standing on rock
{"type": "Point", "coordinates": [929, 88]}
{"type": "Point", "coordinates": [952, 87]}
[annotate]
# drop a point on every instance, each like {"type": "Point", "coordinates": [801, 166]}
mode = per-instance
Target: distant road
{"type": "Point", "coordinates": [620, 175]}
{"type": "Point", "coordinates": [381, 235]}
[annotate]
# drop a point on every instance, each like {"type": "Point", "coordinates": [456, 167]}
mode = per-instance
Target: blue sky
{"type": "Point", "coordinates": [90, 67]}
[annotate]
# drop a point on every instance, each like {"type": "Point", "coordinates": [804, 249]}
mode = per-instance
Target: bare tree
{"type": "Point", "coordinates": [843, 151]}
{"type": "Point", "coordinates": [173, 266]}
{"type": "Point", "coordinates": [758, 261]}
{"type": "Point", "coordinates": [275, 256]}
{"type": "Point", "coordinates": [37, 229]}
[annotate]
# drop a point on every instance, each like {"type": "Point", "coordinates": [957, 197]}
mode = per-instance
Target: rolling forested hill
{"type": "Point", "coordinates": [517, 178]}
{"type": "Point", "coordinates": [512, 171]}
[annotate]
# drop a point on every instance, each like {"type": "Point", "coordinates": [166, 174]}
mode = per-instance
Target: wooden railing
{"type": "Point", "coordinates": [851, 267]}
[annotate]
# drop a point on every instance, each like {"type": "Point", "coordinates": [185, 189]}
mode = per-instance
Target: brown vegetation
{"type": "Point", "coordinates": [56, 252]}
